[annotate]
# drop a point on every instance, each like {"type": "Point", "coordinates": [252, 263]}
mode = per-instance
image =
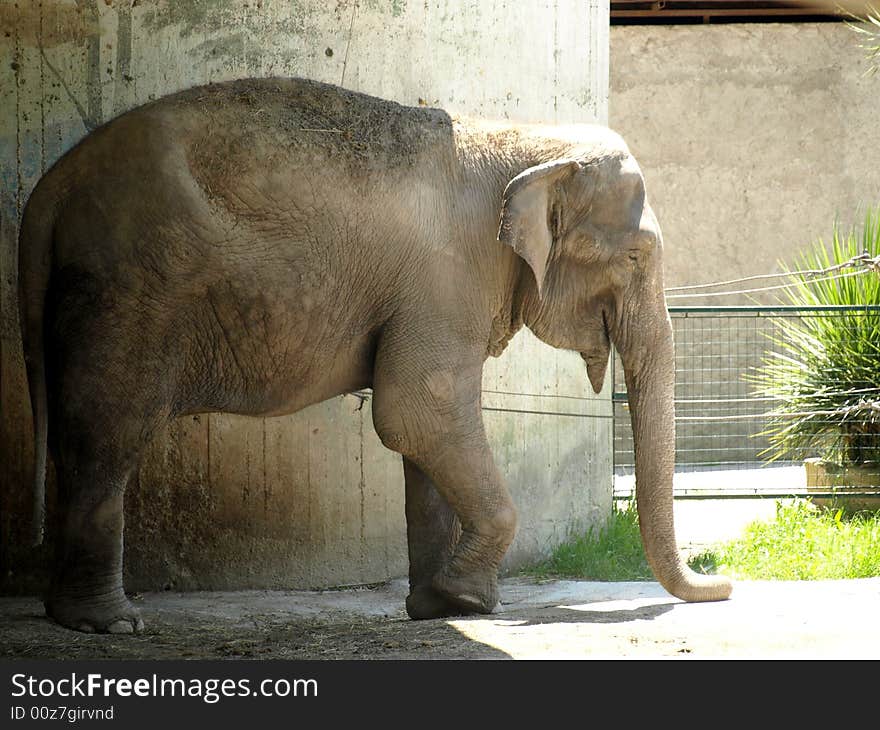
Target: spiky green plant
{"type": "Point", "coordinates": [868, 27]}
{"type": "Point", "coordinates": [824, 369]}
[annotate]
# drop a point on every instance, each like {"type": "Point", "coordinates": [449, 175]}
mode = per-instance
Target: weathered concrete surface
{"type": "Point", "coordinates": [561, 619]}
{"type": "Point", "coordinates": [752, 137]}
{"type": "Point", "coordinates": [313, 499]}
{"type": "Point", "coordinates": [551, 620]}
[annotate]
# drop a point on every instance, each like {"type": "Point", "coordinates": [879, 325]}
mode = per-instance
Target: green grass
{"type": "Point", "coordinates": [613, 552]}
{"type": "Point", "coordinates": [803, 543]}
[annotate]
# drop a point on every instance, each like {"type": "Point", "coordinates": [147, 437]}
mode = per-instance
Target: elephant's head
{"type": "Point", "coordinates": [584, 227]}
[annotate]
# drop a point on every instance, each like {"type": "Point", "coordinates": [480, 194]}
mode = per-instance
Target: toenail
{"type": "Point", "coordinates": [121, 627]}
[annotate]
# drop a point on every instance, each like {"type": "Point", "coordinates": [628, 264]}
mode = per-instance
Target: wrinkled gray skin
{"type": "Point", "coordinates": [258, 246]}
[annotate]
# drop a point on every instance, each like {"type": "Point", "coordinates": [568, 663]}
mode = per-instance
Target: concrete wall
{"type": "Point", "coordinates": [312, 499]}
{"type": "Point", "coordinates": [753, 138]}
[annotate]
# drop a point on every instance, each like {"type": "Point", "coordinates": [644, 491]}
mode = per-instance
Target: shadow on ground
{"type": "Point", "coordinates": [536, 620]}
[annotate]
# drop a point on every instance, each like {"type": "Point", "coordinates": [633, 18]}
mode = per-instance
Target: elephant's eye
{"type": "Point", "coordinates": [640, 246]}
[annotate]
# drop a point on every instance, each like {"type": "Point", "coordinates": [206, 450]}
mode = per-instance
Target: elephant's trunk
{"type": "Point", "coordinates": [649, 368]}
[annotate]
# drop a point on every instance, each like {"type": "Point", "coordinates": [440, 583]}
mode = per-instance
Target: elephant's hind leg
{"type": "Point", "coordinates": [94, 461]}
{"type": "Point", "coordinates": [86, 592]}
{"type": "Point", "coordinates": [104, 407]}
{"type": "Point", "coordinates": [432, 531]}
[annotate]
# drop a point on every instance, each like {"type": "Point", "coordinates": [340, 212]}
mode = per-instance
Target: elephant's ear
{"type": "Point", "coordinates": [529, 216]}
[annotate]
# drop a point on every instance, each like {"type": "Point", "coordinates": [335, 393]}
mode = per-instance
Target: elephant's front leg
{"type": "Point", "coordinates": [432, 531]}
{"type": "Point", "coordinates": [431, 415]}
{"type": "Point", "coordinates": [465, 474]}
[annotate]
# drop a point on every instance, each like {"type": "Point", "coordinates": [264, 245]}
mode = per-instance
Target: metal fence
{"type": "Point", "coordinates": [721, 417]}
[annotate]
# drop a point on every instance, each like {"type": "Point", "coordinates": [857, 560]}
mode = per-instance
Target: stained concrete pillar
{"type": "Point", "coordinates": [312, 499]}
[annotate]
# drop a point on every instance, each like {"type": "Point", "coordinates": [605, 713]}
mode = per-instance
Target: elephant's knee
{"type": "Point", "coordinates": [408, 434]}
{"type": "Point", "coordinates": [395, 440]}
{"type": "Point", "coordinates": [395, 435]}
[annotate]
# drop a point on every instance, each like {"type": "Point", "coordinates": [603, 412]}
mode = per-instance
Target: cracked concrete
{"type": "Point", "coordinates": [536, 620]}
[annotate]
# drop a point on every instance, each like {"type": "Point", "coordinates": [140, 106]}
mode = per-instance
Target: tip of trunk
{"type": "Point", "coordinates": [696, 587]}
{"type": "Point", "coordinates": [670, 568]}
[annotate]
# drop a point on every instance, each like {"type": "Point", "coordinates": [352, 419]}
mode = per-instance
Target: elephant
{"type": "Point", "coordinates": [259, 245]}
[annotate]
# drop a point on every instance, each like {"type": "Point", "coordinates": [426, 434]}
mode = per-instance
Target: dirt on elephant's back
{"type": "Point", "coordinates": [309, 116]}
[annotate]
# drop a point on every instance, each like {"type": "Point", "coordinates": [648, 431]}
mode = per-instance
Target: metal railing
{"type": "Point", "coordinates": [721, 419]}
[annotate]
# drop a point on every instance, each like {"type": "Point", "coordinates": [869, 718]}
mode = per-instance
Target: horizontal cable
{"type": "Point", "coordinates": [549, 413]}
{"type": "Point", "coordinates": [864, 259]}
{"type": "Point", "coordinates": [687, 401]}
{"type": "Point", "coordinates": [731, 417]}
{"type": "Point", "coordinates": [763, 311]}
{"type": "Point", "coordinates": [620, 397]}
{"type": "Point", "coordinates": [763, 288]}
{"type": "Point", "coordinates": [540, 395]}
{"type": "Point", "coordinates": [845, 411]}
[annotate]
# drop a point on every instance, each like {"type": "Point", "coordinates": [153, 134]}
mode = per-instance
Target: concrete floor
{"type": "Point", "coordinates": [536, 620]}
{"type": "Point", "coordinates": [548, 620]}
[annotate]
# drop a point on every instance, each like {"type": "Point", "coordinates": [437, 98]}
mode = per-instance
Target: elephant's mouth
{"type": "Point", "coordinates": [597, 351]}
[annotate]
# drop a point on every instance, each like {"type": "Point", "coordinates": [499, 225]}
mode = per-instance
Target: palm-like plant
{"type": "Point", "coordinates": [868, 26]}
{"type": "Point", "coordinates": [824, 370]}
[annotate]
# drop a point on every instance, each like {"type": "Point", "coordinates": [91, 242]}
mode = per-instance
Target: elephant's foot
{"type": "Point", "coordinates": [423, 602]}
{"type": "Point", "coordinates": [474, 593]}
{"type": "Point", "coordinates": [106, 613]}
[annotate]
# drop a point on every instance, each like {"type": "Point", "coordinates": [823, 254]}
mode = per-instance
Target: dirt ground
{"type": "Point", "coordinates": [536, 620]}
{"type": "Point", "coordinates": [546, 620]}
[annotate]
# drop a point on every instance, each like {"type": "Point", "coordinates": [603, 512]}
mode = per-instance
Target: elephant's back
{"type": "Point", "coordinates": [252, 128]}
{"type": "Point", "coordinates": [280, 148]}
{"type": "Point", "coordinates": [230, 174]}
{"type": "Point", "coordinates": [253, 124]}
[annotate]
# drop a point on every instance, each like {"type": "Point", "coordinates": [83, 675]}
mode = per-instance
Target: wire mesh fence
{"type": "Point", "coordinates": [729, 424]}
